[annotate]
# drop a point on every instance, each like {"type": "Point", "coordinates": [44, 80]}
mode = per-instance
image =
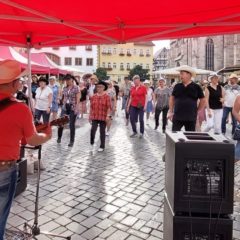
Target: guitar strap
{"type": "Point", "coordinates": [6, 102]}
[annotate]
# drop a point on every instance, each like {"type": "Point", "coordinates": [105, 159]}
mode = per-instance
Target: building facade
{"type": "Point", "coordinates": [160, 59]}
{"type": "Point", "coordinates": [83, 58]}
{"type": "Point", "coordinates": [211, 53]}
{"type": "Point", "coordinates": [119, 59]}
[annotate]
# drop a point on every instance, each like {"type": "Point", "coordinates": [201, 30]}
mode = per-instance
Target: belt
{"type": "Point", "coordinates": [5, 164]}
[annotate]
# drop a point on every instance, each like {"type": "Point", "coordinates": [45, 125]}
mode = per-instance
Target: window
{"type": "Point", "coordinates": [103, 65]}
{"type": "Point", "coordinates": [119, 78]}
{"type": "Point", "coordinates": [54, 58]}
{"type": "Point", "coordinates": [88, 47]}
{"type": "Point", "coordinates": [121, 51]}
{"type": "Point", "coordinates": [128, 52]}
{"type": "Point", "coordinates": [114, 65]}
{"type": "Point", "coordinates": [114, 51]}
{"type": "Point", "coordinates": [109, 51]}
{"type": "Point", "coordinates": [209, 52]}
{"type": "Point", "coordinates": [148, 53]}
{"type": "Point", "coordinates": [141, 52]}
{"type": "Point", "coordinates": [109, 65]}
{"type": "Point", "coordinates": [104, 50]}
{"type": "Point", "coordinates": [121, 66]}
{"type": "Point", "coordinates": [67, 61]}
{"type": "Point", "coordinates": [128, 66]}
{"type": "Point", "coordinates": [78, 61]}
{"type": "Point", "coordinates": [89, 61]}
{"type": "Point", "coordinates": [72, 48]}
{"type": "Point", "coordinates": [135, 51]}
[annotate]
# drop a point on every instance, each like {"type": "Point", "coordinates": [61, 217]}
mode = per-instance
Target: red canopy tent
{"type": "Point", "coordinates": [42, 59]}
{"type": "Point", "coordinates": [10, 53]}
{"type": "Point", "coordinates": [58, 23]}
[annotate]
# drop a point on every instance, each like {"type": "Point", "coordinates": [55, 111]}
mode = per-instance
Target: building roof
{"type": "Point", "coordinates": [150, 44]}
{"type": "Point", "coordinates": [158, 52]}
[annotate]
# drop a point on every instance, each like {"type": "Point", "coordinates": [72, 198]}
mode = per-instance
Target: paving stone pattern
{"type": "Point", "coordinates": [114, 195]}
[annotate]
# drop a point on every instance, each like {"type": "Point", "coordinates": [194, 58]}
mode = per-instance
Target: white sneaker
{"type": "Point", "coordinates": [107, 133]}
{"type": "Point", "coordinates": [100, 149]}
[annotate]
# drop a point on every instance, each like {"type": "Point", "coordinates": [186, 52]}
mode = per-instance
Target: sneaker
{"type": "Point", "coordinates": [147, 122]}
{"type": "Point", "coordinates": [141, 135]}
{"type": "Point", "coordinates": [71, 144]}
{"type": "Point", "coordinates": [156, 128]}
{"type": "Point", "coordinates": [100, 149]}
{"type": "Point", "coordinates": [107, 133]}
{"type": "Point", "coordinates": [133, 135]}
{"type": "Point", "coordinates": [59, 140]}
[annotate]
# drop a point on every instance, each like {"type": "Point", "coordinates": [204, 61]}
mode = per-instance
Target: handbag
{"type": "Point", "coordinates": [236, 134]}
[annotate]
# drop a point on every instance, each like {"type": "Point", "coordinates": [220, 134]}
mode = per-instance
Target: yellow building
{"type": "Point", "coordinates": [119, 59]}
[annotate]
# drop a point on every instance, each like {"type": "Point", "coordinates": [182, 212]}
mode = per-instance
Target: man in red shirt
{"type": "Point", "coordinates": [16, 123]}
{"type": "Point", "coordinates": [137, 105]}
{"type": "Point", "coordinates": [100, 110]}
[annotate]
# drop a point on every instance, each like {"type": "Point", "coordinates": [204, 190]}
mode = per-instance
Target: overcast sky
{"type": "Point", "coordinates": [161, 44]}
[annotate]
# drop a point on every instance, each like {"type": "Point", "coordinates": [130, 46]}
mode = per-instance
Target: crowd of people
{"type": "Point", "coordinates": [186, 104]}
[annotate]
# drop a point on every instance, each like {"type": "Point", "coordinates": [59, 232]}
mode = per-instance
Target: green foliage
{"type": "Point", "coordinates": [138, 70]}
{"type": "Point", "coordinates": [101, 73]}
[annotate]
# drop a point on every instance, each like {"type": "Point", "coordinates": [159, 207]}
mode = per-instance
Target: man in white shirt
{"type": "Point", "coordinates": [232, 89]}
{"type": "Point", "coordinates": [91, 89]}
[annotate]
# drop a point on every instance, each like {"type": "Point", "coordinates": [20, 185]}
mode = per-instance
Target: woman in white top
{"type": "Point", "coordinates": [149, 108]}
{"type": "Point", "coordinates": [43, 100]}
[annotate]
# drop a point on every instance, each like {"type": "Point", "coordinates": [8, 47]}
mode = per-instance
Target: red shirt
{"type": "Point", "coordinates": [99, 107]}
{"type": "Point", "coordinates": [138, 95]}
{"type": "Point", "coordinates": [16, 122]}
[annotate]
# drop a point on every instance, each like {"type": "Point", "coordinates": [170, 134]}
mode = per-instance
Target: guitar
{"type": "Point", "coordinates": [57, 122]}
{"type": "Point", "coordinates": [40, 126]}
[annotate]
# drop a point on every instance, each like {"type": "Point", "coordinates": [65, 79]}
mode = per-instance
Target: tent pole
{"type": "Point", "coordinates": [29, 82]}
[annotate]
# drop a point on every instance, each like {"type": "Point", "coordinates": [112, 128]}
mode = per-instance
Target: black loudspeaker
{"type": "Point", "coordinates": [199, 172]}
{"type": "Point", "coordinates": [22, 176]}
{"type": "Point", "coordinates": [194, 227]}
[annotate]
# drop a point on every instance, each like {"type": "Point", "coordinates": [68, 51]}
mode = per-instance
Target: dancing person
{"type": "Point", "coordinates": [83, 99]}
{"type": "Point", "coordinates": [43, 100]}
{"type": "Point", "coordinates": [16, 122]}
{"type": "Point", "coordinates": [56, 96]}
{"type": "Point", "coordinates": [183, 103]}
{"type": "Point", "coordinates": [125, 93]}
{"type": "Point", "coordinates": [92, 86]}
{"type": "Point", "coordinates": [232, 89]}
{"type": "Point", "coordinates": [100, 109]}
{"type": "Point", "coordinates": [112, 94]}
{"type": "Point", "coordinates": [161, 102]}
{"type": "Point", "coordinates": [214, 94]}
{"type": "Point", "coordinates": [149, 108]}
{"type": "Point", "coordinates": [137, 105]}
{"type": "Point", "coordinates": [70, 99]}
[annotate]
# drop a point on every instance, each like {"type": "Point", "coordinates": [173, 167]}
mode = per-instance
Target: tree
{"type": "Point", "coordinates": [101, 73]}
{"type": "Point", "coordinates": [138, 70]}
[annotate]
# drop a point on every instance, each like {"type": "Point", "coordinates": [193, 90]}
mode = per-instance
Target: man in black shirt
{"type": "Point", "coordinates": [183, 104]}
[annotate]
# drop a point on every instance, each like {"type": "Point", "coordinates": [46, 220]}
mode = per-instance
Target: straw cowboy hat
{"type": "Point", "coordinates": [233, 75]}
{"type": "Point", "coordinates": [146, 82]}
{"type": "Point", "coordinates": [10, 70]}
{"type": "Point", "coordinates": [188, 69]}
{"type": "Point", "coordinates": [213, 74]}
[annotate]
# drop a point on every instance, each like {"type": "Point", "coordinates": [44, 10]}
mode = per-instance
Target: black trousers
{"type": "Point", "coordinates": [102, 125]}
{"type": "Point", "coordinates": [188, 125]}
{"type": "Point", "coordinates": [164, 117]}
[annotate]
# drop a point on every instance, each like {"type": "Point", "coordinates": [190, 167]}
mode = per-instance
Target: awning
{"type": "Point", "coordinates": [60, 23]}
{"type": "Point", "coordinates": [10, 53]}
{"type": "Point", "coordinates": [229, 69]}
{"type": "Point", "coordinates": [42, 59]}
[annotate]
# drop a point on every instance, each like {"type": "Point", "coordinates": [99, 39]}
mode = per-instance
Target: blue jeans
{"type": "Point", "coordinates": [39, 113]}
{"type": "Point", "coordinates": [8, 181]}
{"type": "Point", "coordinates": [135, 114]}
{"type": "Point", "coordinates": [226, 111]}
{"type": "Point", "coordinates": [72, 121]}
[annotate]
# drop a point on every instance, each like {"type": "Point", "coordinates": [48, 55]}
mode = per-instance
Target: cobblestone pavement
{"type": "Point", "coordinates": [114, 195]}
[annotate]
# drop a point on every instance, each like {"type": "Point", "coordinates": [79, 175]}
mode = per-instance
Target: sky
{"type": "Point", "coordinates": [161, 44]}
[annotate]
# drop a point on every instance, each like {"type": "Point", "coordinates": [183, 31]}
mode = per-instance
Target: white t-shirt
{"type": "Point", "coordinates": [231, 92]}
{"type": "Point", "coordinates": [149, 94]}
{"type": "Point", "coordinates": [42, 98]}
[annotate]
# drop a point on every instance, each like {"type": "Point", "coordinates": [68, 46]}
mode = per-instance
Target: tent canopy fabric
{"type": "Point", "coordinates": [61, 23]}
{"type": "Point", "coordinates": [175, 72]}
{"type": "Point", "coordinates": [42, 59]}
{"type": "Point", "coordinates": [229, 69]}
{"type": "Point", "coordinates": [10, 53]}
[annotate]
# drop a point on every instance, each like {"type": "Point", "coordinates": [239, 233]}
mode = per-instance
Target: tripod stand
{"type": "Point", "coordinates": [31, 231]}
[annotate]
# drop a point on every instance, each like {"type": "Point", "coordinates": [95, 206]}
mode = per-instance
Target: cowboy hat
{"type": "Point", "coordinates": [104, 84]}
{"type": "Point", "coordinates": [188, 69]}
{"type": "Point", "coordinates": [213, 74]}
{"type": "Point", "coordinates": [233, 75]}
{"type": "Point", "coordinates": [162, 79]}
{"type": "Point", "coordinates": [10, 70]}
{"type": "Point", "coordinates": [146, 82]}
